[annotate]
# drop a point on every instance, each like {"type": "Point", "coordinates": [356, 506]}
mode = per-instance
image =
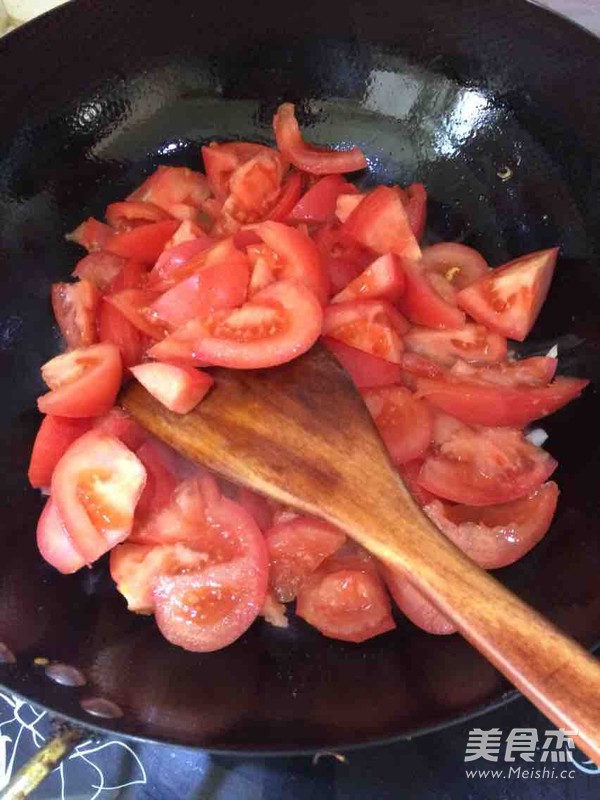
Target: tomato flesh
{"type": "Point", "coordinates": [380, 223]}
{"type": "Point", "coordinates": [75, 307]}
{"type": "Point", "coordinates": [382, 280]}
{"type": "Point", "coordinates": [178, 388]}
{"type": "Point", "coordinates": [54, 437]}
{"type": "Point", "coordinates": [404, 422]}
{"type": "Point", "coordinates": [54, 543]}
{"type": "Point", "coordinates": [364, 369]}
{"type": "Point", "coordinates": [471, 343]}
{"type": "Point", "coordinates": [414, 605]}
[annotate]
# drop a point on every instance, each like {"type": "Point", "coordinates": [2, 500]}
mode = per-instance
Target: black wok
{"type": "Point", "coordinates": [458, 94]}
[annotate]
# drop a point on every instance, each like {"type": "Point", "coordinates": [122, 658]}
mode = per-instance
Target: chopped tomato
{"type": "Point", "coordinates": [254, 187]}
{"type": "Point", "coordinates": [75, 307]}
{"type": "Point", "coordinates": [133, 275]}
{"type": "Point", "coordinates": [346, 599]}
{"type": "Point", "coordinates": [144, 243]}
{"type": "Point", "coordinates": [409, 473]}
{"type": "Point", "coordinates": [456, 263]}
{"type": "Point", "coordinates": [296, 548]}
{"type": "Point", "coordinates": [134, 305]}
{"type": "Point", "coordinates": [279, 323]}
{"type": "Point", "coordinates": [482, 403]}
{"type": "Point", "coordinates": [170, 188]}
{"type": "Point", "coordinates": [288, 197]}
{"type": "Point", "coordinates": [135, 568]}
{"type": "Point", "coordinates": [471, 343]}
{"type": "Point", "coordinates": [222, 160]}
{"type": "Point", "coordinates": [185, 263]}
{"type": "Point", "coordinates": [91, 234]}
{"type": "Point", "coordinates": [173, 259]}
{"type": "Point", "coordinates": [161, 482]}
{"type": "Point", "coordinates": [380, 223]}
{"type": "Point", "coordinates": [132, 213]}
{"type": "Point", "coordinates": [509, 299]}
{"type": "Point", "coordinates": [414, 605]}
{"type": "Point", "coordinates": [114, 328]}
{"type": "Point", "coordinates": [54, 542]}
{"type": "Point", "coordinates": [209, 608]}
{"type": "Point", "coordinates": [316, 160]}
{"type": "Point", "coordinates": [55, 436]}
{"type": "Point", "coordinates": [485, 467]}
{"type": "Point", "coordinates": [414, 198]}
{"type": "Point", "coordinates": [217, 284]}
{"type": "Point", "coordinates": [535, 371]}
{"type": "Point", "coordinates": [188, 231]}
{"type": "Point", "coordinates": [413, 366]}
{"type": "Point", "coordinates": [429, 299]}
{"type": "Point", "coordinates": [119, 424]}
{"type": "Point", "coordinates": [343, 259]}
{"type": "Point", "coordinates": [370, 325]}
{"type": "Point", "coordinates": [497, 535]}
{"type": "Point", "coordinates": [83, 382]}
{"type": "Point", "coordinates": [179, 389]}
{"type": "Point", "coordinates": [101, 269]}
{"type": "Point", "coordinates": [296, 257]}
{"type": "Point", "coordinates": [257, 506]}
{"type": "Point", "coordinates": [382, 280]}
{"type": "Point", "coordinates": [96, 486]}
{"type": "Point", "coordinates": [319, 202]}
{"type": "Point", "coordinates": [365, 370]}
{"type": "Point", "coordinates": [404, 422]}
{"type": "Point", "coordinates": [345, 205]}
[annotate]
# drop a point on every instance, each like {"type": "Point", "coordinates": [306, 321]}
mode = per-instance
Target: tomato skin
{"type": "Point", "coordinates": [471, 342]}
{"type": "Point", "coordinates": [346, 599]}
{"type": "Point", "coordinates": [365, 370]}
{"type": "Point", "coordinates": [459, 264]}
{"type": "Point", "coordinates": [144, 243]}
{"type": "Point", "coordinates": [415, 606]}
{"type": "Point", "coordinates": [99, 268]}
{"type": "Point", "coordinates": [296, 549]}
{"type": "Point", "coordinates": [319, 202]}
{"type": "Point", "coordinates": [179, 389]}
{"type": "Point", "coordinates": [54, 542]}
{"type": "Point", "coordinates": [380, 223]}
{"type": "Point", "coordinates": [497, 535]}
{"type": "Point", "coordinates": [96, 486]}
{"type": "Point", "coordinates": [370, 325]}
{"type": "Point", "coordinates": [207, 609]}
{"type": "Point", "coordinates": [75, 307]}
{"type": "Point", "coordinates": [297, 255]}
{"type": "Point", "coordinates": [83, 382]}
{"type": "Point", "coordinates": [288, 197]}
{"type": "Point", "coordinates": [131, 213]}
{"type": "Point", "coordinates": [170, 262]}
{"type": "Point", "coordinates": [485, 467]}
{"type": "Point", "coordinates": [134, 305]}
{"type": "Point", "coordinates": [509, 298]}
{"type": "Point", "coordinates": [404, 422]}
{"type": "Point", "coordinates": [220, 339]}
{"type": "Point", "coordinates": [91, 234]}
{"type": "Point", "coordinates": [423, 305]}
{"type": "Point", "coordinates": [317, 161]}
{"type": "Point", "coordinates": [481, 403]}
{"type": "Point", "coordinates": [55, 436]}
{"type": "Point", "coordinates": [382, 280]}
{"type": "Point", "coordinates": [115, 329]}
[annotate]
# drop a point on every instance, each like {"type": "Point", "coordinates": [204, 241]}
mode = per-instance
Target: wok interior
{"type": "Point", "coordinates": [447, 99]}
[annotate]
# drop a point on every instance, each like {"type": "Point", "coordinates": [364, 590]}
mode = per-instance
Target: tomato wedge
{"type": "Point", "coordinates": [497, 535]}
{"type": "Point", "coordinates": [485, 467]}
{"type": "Point", "coordinates": [96, 486]}
{"type": "Point", "coordinates": [456, 263]}
{"type": "Point", "coordinates": [254, 188]}
{"type": "Point", "coordinates": [115, 329]}
{"type": "Point", "coordinates": [404, 422]}
{"type": "Point", "coordinates": [161, 481]}
{"type": "Point", "coordinates": [342, 258]}
{"type": "Point", "coordinates": [83, 382]}
{"type": "Point", "coordinates": [206, 609]}
{"type": "Point", "coordinates": [345, 598]}
{"type": "Point", "coordinates": [288, 197]}
{"type": "Point", "coordinates": [179, 389]}
{"type": "Point", "coordinates": [429, 299]}
{"type": "Point", "coordinates": [316, 160]}
{"type": "Point", "coordinates": [415, 606]}
{"type": "Point", "coordinates": [54, 542]}
{"type": "Point", "coordinates": [414, 198]}
{"type": "Point", "coordinates": [144, 243]}
{"type": "Point", "coordinates": [91, 234]}
{"type": "Point", "coordinates": [119, 424]}
{"type": "Point", "coordinates": [365, 370]}
{"type": "Point", "coordinates": [101, 269]}
{"type": "Point", "coordinates": [131, 213]}
{"type": "Point", "coordinates": [169, 265]}
{"type": "Point", "coordinates": [296, 257]}
{"type": "Point", "coordinates": [370, 325]}
{"type": "Point", "coordinates": [483, 403]}
{"type": "Point", "coordinates": [509, 299]}
{"type": "Point", "coordinates": [136, 568]}
{"type": "Point", "coordinates": [296, 548]}
{"type": "Point", "coordinates": [222, 160]}
{"type": "Point", "coordinates": [55, 436]}
{"type": "Point", "coordinates": [75, 307]}
{"type": "Point", "coordinates": [535, 371]}
{"type": "Point", "coordinates": [319, 202]}
{"type": "Point", "coordinates": [382, 280]}
{"type": "Point", "coordinates": [471, 342]}
{"type": "Point", "coordinates": [279, 323]}
{"type": "Point", "coordinates": [380, 223]}
{"type": "Point", "coordinates": [170, 188]}
{"type": "Point", "coordinates": [345, 205]}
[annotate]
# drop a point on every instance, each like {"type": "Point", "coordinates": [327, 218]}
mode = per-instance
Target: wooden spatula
{"type": "Point", "coordinates": [301, 434]}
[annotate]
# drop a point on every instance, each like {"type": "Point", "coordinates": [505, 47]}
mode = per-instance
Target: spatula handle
{"type": "Point", "coordinates": [558, 675]}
